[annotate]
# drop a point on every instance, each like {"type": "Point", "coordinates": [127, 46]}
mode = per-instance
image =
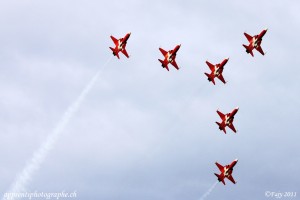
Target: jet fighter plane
{"type": "Point", "coordinates": [255, 42]}
{"type": "Point", "coordinates": [169, 57]}
{"type": "Point", "coordinates": [216, 71]}
{"type": "Point", "coordinates": [120, 45]}
{"type": "Point", "coordinates": [226, 172]}
{"type": "Point", "coordinates": [227, 120]}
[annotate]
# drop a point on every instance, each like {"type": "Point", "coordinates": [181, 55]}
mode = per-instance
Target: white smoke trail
{"type": "Point", "coordinates": [209, 191]}
{"type": "Point", "coordinates": [39, 156]}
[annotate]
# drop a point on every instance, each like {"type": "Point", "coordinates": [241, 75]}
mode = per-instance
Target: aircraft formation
{"type": "Point", "coordinates": [216, 72]}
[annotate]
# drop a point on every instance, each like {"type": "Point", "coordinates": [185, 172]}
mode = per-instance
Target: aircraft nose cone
{"type": "Point", "coordinates": [236, 160]}
{"type": "Point", "coordinates": [237, 108]}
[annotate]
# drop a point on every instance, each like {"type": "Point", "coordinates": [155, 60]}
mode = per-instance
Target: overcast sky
{"type": "Point", "coordinates": [142, 132]}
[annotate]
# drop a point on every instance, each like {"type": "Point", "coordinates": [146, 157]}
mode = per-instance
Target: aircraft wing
{"type": "Point", "coordinates": [259, 49]}
{"type": "Point", "coordinates": [221, 78]}
{"type": "Point", "coordinates": [125, 53]}
{"type": "Point", "coordinates": [219, 166]}
{"type": "Point", "coordinates": [231, 179]}
{"type": "Point", "coordinates": [175, 64]}
{"type": "Point", "coordinates": [211, 66]}
{"type": "Point", "coordinates": [114, 40]}
{"type": "Point", "coordinates": [249, 37]}
{"type": "Point", "coordinates": [232, 127]}
{"type": "Point", "coordinates": [163, 51]}
{"type": "Point", "coordinates": [221, 114]}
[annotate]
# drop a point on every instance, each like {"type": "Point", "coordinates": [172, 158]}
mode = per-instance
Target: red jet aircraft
{"type": "Point", "coordinates": [169, 57]}
{"type": "Point", "coordinates": [216, 71]}
{"type": "Point", "coordinates": [227, 120]}
{"type": "Point", "coordinates": [226, 172]}
{"type": "Point", "coordinates": [254, 42]}
{"type": "Point", "coordinates": [120, 45]}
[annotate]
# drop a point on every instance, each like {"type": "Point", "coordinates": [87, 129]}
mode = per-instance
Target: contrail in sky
{"type": "Point", "coordinates": [209, 191]}
{"type": "Point", "coordinates": [40, 154]}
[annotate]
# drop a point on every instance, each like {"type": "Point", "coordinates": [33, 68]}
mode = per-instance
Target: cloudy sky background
{"type": "Point", "coordinates": [143, 132]}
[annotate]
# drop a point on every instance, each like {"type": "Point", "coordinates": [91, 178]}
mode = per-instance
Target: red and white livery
{"type": "Point", "coordinates": [227, 120]}
{"type": "Point", "coordinates": [169, 57]}
{"type": "Point", "coordinates": [255, 42]}
{"type": "Point", "coordinates": [226, 172]}
{"type": "Point", "coordinates": [120, 45]}
{"type": "Point", "coordinates": [216, 71]}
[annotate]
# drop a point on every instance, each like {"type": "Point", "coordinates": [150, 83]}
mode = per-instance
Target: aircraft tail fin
{"type": "Point", "coordinates": [210, 78]}
{"type": "Point", "coordinates": [220, 179]}
{"type": "Point", "coordinates": [221, 127]}
{"type": "Point", "coordinates": [248, 50]}
{"type": "Point", "coordinates": [163, 64]}
{"type": "Point", "coordinates": [246, 47]}
{"type": "Point", "coordinates": [116, 53]}
{"type": "Point", "coordinates": [217, 175]}
{"type": "Point", "coordinates": [223, 182]}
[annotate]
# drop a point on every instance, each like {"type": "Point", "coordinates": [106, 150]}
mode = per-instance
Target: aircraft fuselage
{"type": "Point", "coordinates": [218, 70]}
